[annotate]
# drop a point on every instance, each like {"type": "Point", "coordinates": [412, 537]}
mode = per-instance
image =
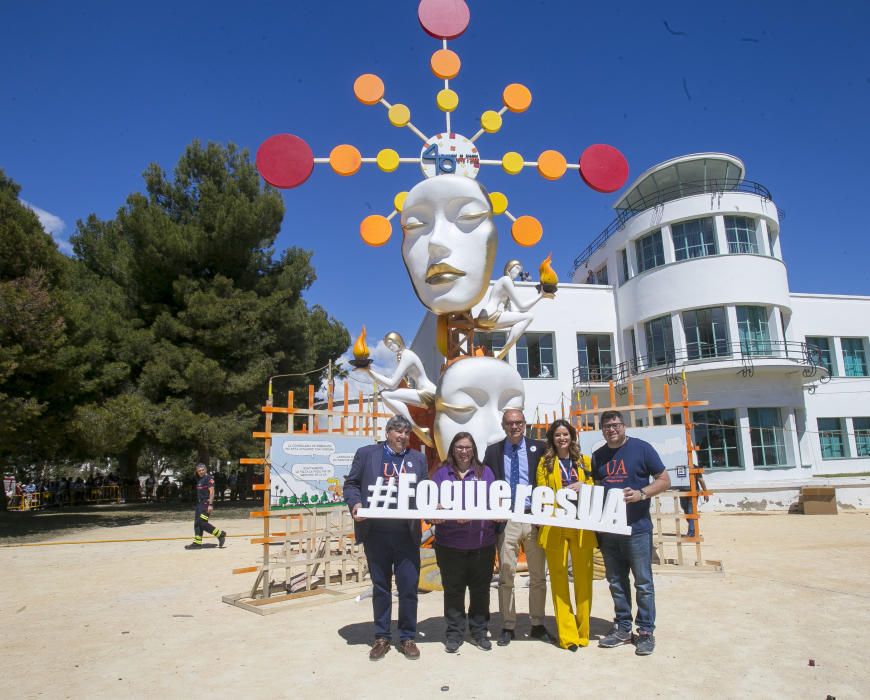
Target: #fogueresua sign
{"type": "Point", "coordinates": [586, 509]}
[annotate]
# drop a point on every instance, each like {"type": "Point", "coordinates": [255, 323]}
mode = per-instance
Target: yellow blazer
{"type": "Point", "coordinates": [553, 479]}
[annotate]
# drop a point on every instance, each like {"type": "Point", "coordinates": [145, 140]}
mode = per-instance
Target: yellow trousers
{"type": "Point", "coordinates": [572, 623]}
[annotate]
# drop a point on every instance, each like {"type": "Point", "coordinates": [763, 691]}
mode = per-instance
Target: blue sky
{"type": "Point", "coordinates": [91, 92]}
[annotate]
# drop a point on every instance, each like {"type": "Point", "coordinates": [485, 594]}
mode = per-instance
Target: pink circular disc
{"type": "Point", "coordinates": [285, 161]}
{"type": "Point", "coordinates": [443, 19]}
{"type": "Point", "coordinates": [603, 168]}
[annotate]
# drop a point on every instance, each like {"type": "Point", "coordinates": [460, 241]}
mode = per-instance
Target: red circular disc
{"type": "Point", "coordinates": [603, 168]}
{"type": "Point", "coordinates": [285, 161]}
{"type": "Point", "coordinates": [443, 19]}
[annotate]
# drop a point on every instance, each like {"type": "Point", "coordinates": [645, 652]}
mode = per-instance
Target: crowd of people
{"type": "Point", "coordinates": [34, 494]}
{"type": "Point", "coordinates": [466, 550]}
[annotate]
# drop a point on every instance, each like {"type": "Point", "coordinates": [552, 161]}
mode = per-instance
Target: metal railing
{"type": "Point", "coordinates": [672, 362]}
{"type": "Point", "coordinates": [668, 194]}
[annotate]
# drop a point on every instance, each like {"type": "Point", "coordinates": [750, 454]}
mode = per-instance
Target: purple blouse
{"type": "Point", "coordinates": [471, 535]}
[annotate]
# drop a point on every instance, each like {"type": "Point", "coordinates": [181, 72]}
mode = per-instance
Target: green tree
{"type": "Point", "coordinates": [195, 310]}
{"type": "Point", "coordinates": [33, 334]}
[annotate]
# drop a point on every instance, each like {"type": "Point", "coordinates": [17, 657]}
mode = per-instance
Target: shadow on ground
{"type": "Point", "coordinates": [432, 630]}
{"type": "Point", "coordinates": [37, 526]}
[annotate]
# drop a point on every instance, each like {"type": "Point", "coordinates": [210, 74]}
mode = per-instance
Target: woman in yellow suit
{"type": "Point", "coordinates": [562, 466]}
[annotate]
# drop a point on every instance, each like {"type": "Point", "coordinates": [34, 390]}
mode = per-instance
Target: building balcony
{"type": "Point", "coordinates": [744, 356]}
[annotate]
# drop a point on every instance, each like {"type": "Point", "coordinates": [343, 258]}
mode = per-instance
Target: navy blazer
{"type": "Point", "coordinates": [494, 458]}
{"type": "Point", "coordinates": [367, 466]}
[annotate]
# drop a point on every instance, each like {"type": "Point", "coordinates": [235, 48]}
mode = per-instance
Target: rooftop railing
{"type": "Point", "coordinates": [672, 362]}
{"type": "Point", "coordinates": [669, 194]}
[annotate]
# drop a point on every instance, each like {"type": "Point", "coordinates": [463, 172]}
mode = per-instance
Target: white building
{"type": "Point", "coordinates": [689, 277]}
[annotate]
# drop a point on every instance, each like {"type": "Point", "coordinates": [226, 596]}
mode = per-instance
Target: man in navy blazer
{"type": "Point", "coordinates": [391, 546]}
{"type": "Point", "coordinates": [515, 460]}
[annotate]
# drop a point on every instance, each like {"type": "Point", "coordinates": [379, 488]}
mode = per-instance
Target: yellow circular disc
{"type": "Point", "coordinates": [499, 202]}
{"type": "Point", "coordinates": [447, 100]}
{"type": "Point", "coordinates": [375, 230]}
{"type": "Point", "coordinates": [490, 120]}
{"type": "Point", "coordinates": [552, 165]}
{"type": "Point", "coordinates": [527, 231]}
{"type": "Point", "coordinates": [399, 201]}
{"type": "Point", "coordinates": [345, 159]}
{"type": "Point", "coordinates": [512, 162]}
{"type": "Point", "coordinates": [387, 160]}
{"type": "Point", "coordinates": [399, 115]}
{"type": "Point", "coordinates": [517, 97]}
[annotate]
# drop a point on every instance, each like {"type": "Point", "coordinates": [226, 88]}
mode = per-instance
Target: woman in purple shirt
{"type": "Point", "coordinates": [465, 551]}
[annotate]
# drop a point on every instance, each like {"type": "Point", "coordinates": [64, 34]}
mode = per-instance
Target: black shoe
{"type": "Point", "coordinates": [221, 539]}
{"type": "Point", "coordinates": [193, 545]}
{"type": "Point", "coordinates": [505, 637]}
{"type": "Point", "coordinates": [482, 642]}
{"type": "Point", "coordinates": [644, 644]}
{"type": "Point", "coordinates": [572, 647]}
{"type": "Point", "coordinates": [452, 645]}
{"type": "Point", "coordinates": [540, 632]}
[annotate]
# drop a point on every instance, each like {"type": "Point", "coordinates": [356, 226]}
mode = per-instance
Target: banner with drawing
{"type": "Point", "coordinates": [307, 471]}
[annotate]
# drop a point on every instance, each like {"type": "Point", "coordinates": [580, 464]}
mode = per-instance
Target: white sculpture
{"type": "Point", "coordinates": [449, 242]}
{"type": "Point", "coordinates": [504, 308]}
{"type": "Point", "coordinates": [472, 395]}
{"type": "Point", "coordinates": [420, 390]}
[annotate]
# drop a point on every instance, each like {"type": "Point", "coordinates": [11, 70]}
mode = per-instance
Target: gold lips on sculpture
{"type": "Point", "coordinates": [442, 273]}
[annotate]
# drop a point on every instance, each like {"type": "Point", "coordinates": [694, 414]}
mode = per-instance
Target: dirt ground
{"type": "Point", "coordinates": [789, 617]}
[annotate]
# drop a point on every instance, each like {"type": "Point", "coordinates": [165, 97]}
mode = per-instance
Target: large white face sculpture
{"type": "Point", "coordinates": [449, 242]}
{"type": "Point", "coordinates": [472, 395]}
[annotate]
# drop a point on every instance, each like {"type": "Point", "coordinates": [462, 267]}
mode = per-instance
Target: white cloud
{"type": "Point", "coordinates": [53, 224]}
{"type": "Point", "coordinates": [383, 362]}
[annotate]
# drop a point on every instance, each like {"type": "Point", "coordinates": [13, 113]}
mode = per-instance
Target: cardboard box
{"type": "Point", "coordinates": [819, 500]}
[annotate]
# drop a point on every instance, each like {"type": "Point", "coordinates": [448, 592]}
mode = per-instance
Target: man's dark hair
{"type": "Point", "coordinates": [610, 415]}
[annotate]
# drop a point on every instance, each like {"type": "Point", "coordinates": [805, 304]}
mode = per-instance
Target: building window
{"type": "Point", "coordinates": [832, 438]}
{"type": "Point", "coordinates": [595, 357]}
{"type": "Point", "coordinates": [741, 234]}
{"type": "Point", "coordinates": [694, 239]}
{"type": "Point", "coordinates": [767, 437]}
{"type": "Point", "coordinates": [650, 252]}
{"type": "Point", "coordinates": [601, 276]}
{"type": "Point", "coordinates": [535, 358]}
{"type": "Point", "coordinates": [854, 357]}
{"type": "Point", "coordinates": [862, 436]}
{"type": "Point", "coordinates": [820, 349]}
{"type": "Point", "coordinates": [659, 341]}
{"type": "Point", "coordinates": [716, 437]}
{"type": "Point", "coordinates": [623, 267]}
{"type": "Point", "coordinates": [706, 333]}
{"type": "Point", "coordinates": [492, 342]}
{"type": "Point", "coordinates": [754, 331]}
{"type": "Point", "coordinates": [771, 239]}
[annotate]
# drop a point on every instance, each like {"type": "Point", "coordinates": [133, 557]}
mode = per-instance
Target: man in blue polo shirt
{"type": "Point", "coordinates": [628, 464]}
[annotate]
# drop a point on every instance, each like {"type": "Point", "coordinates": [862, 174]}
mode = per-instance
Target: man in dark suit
{"type": "Point", "coordinates": [391, 546]}
{"type": "Point", "coordinates": [515, 460]}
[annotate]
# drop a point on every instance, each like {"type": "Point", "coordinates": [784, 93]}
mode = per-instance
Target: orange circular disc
{"type": "Point", "coordinates": [517, 97]}
{"type": "Point", "coordinates": [527, 231]}
{"type": "Point", "coordinates": [552, 165]}
{"type": "Point", "coordinates": [375, 230]}
{"type": "Point", "coordinates": [368, 88]}
{"type": "Point", "coordinates": [445, 64]}
{"type": "Point", "coordinates": [345, 159]}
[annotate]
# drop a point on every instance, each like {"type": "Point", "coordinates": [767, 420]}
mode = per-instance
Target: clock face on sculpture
{"type": "Point", "coordinates": [449, 242]}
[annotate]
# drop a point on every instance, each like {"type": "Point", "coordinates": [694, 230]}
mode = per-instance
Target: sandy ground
{"type": "Point", "coordinates": [145, 619]}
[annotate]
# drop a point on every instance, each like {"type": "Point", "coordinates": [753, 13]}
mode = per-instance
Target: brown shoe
{"type": "Point", "coordinates": [410, 650]}
{"type": "Point", "coordinates": [379, 649]}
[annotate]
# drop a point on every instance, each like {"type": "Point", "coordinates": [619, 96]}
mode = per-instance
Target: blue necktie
{"type": "Point", "coordinates": [515, 471]}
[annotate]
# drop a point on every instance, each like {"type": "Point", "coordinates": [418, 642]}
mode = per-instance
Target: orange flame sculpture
{"type": "Point", "coordinates": [361, 351]}
{"type": "Point", "coordinates": [548, 276]}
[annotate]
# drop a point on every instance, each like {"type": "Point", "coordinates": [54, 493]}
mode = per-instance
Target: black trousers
{"type": "Point", "coordinates": [460, 570]}
{"type": "Point", "coordinates": [201, 523]}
